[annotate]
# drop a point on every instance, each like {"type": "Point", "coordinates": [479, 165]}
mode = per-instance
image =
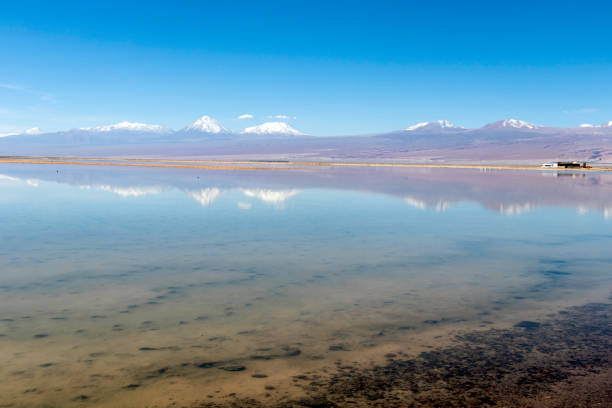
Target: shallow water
{"type": "Point", "coordinates": [123, 287]}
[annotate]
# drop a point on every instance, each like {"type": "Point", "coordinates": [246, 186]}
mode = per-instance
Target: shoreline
{"type": "Point", "coordinates": [269, 164]}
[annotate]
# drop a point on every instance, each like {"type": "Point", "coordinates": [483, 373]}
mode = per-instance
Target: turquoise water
{"type": "Point", "coordinates": [112, 272]}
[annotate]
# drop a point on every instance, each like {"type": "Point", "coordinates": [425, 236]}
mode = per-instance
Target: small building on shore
{"type": "Point", "coordinates": [573, 164]}
{"type": "Point", "coordinates": [567, 164]}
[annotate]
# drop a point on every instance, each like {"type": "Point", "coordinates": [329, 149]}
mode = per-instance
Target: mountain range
{"type": "Point", "coordinates": [504, 140]}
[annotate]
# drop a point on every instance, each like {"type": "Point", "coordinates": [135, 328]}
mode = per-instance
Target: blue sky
{"type": "Point", "coordinates": [337, 67]}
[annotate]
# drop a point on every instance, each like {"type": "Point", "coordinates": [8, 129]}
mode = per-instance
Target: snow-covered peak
{"type": "Point", "coordinates": [517, 124]}
{"type": "Point", "coordinates": [208, 125]}
{"type": "Point", "coordinates": [129, 126]}
{"type": "Point", "coordinates": [603, 125]}
{"type": "Point", "coordinates": [511, 124]}
{"type": "Point", "coordinates": [438, 124]}
{"type": "Point", "coordinates": [418, 126]}
{"type": "Point", "coordinates": [30, 131]}
{"type": "Point", "coordinates": [272, 128]}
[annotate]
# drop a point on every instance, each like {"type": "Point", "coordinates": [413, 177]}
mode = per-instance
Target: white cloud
{"type": "Point", "coordinates": [246, 116]}
{"type": "Point", "coordinates": [284, 117]}
{"type": "Point", "coordinates": [587, 110]}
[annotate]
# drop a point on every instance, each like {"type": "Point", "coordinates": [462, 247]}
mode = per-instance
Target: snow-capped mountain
{"type": "Point", "coordinates": [511, 124]}
{"type": "Point", "coordinates": [272, 128]}
{"type": "Point", "coordinates": [30, 131]}
{"type": "Point", "coordinates": [116, 134]}
{"type": "Point", "coordinates": [437, 125]}
{"type": "Point", "coordinates": [605, 125]}
{"type": "Point", "coordinates": [438, 140]}
{"type": "Point", "coordinates": [127, 126]}
{"type": "Point", "coordinates": [207, 124]}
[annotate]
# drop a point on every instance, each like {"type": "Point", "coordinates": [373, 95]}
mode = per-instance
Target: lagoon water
{"type": "Point", "coordinates": [154, 287]}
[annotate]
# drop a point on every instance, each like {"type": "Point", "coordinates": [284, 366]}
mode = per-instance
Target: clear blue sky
{"type": "Point", "coordinates": [337, 67]}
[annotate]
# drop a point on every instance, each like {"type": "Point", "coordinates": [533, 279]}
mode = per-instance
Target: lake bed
{"type": "Point", "coordinates": [164, 287]}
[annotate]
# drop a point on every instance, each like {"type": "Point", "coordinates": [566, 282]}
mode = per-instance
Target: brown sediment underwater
{"type": "Point", "coordinates": [562, 362]}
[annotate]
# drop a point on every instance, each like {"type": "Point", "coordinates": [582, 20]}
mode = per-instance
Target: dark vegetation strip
{"type": "Point", "coordinates": [562, 362]}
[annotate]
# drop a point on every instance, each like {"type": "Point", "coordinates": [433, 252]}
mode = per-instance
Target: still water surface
{"type": "Point", "coordinates": [123, 287]}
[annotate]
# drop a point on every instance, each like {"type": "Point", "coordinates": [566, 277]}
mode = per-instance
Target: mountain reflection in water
{"type": "Point", "coordinates": [506, 192]}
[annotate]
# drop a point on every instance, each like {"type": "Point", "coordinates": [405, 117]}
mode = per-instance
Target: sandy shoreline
{"type": "Point", "coordinates": [265, 165]}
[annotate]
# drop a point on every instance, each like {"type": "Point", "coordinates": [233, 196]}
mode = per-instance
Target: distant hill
{"type": "Point", "coordinates": [508, 140]}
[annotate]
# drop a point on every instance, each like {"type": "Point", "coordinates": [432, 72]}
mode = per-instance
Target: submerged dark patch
{"type": "Point", "coordinates": [526, 324]}
{"type": "Point", "coordinates": [233, 367]}
{"type": "Point", "coordinates": [490, 367]}
{"type": "Point", "coordinates": [515, 367]}
{"type": "Point", "coordinates": [208, 364]}
{"type": "Point", "coordinates": [286, 352]}
{"type": "Point", "coordinates": [554, 272]}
